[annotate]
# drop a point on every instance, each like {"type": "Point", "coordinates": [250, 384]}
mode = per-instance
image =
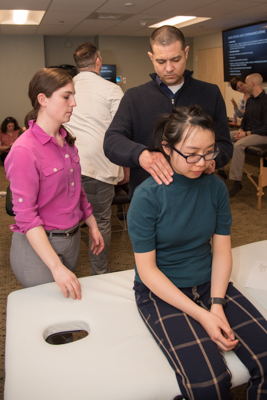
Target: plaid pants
{"type": "Point", "coordinates": [199, 365]}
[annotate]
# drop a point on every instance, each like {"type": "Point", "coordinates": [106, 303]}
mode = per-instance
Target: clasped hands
{"type": "Point", "coordinates": [241, 133]}
{"type": "Point", "coordinates": [216, 325]}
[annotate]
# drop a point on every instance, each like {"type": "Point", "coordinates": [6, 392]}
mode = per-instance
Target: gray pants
{"type": "Point", "coordinates": [100, 195]}
{"type": "Point", "coordinates": [28, 267]}
{"type": "Point", "coordinates": [238, 160]}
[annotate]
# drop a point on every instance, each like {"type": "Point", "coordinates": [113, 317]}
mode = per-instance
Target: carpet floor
{"type": "Point", "coordinates": [249, 225]}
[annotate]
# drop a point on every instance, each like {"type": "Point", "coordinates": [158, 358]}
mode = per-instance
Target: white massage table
{"type": "Point", "coordinates": [118, 360]}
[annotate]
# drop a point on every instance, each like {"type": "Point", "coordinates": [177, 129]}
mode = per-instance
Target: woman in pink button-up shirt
{"type": "Point", "coordinates": [48, 199]}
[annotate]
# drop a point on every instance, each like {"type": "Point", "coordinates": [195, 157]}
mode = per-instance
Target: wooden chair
{"type": "Point", "coordinates": [261, 152]}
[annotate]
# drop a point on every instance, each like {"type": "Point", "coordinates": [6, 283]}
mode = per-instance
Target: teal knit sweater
{"type": "Point", "coordinates": [178, 221]}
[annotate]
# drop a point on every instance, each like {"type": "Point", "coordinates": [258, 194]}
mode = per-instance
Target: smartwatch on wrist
{"type": "Point", "coordinates": [217, 300]}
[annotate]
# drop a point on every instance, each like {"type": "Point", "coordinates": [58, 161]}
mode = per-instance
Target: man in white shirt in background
{"type": "Point", "coordinates": [97, 102]}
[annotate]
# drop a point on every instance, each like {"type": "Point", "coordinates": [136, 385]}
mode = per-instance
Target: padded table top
{"type": "Point", "coordinates": [118, 360]}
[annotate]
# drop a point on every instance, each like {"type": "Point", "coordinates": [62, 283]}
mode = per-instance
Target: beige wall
{"type": "Point", "coordinates": [209, 42]}
{"type": "Point", "coordinates": [21, 57]}
{"type": "Point", "coordinates": [59, 50]}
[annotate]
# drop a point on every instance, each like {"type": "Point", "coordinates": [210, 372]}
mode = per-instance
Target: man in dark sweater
{"type": "Point", "coordinates": [130, 135]}
{"type": "Point", "coordinates": [253, 129]}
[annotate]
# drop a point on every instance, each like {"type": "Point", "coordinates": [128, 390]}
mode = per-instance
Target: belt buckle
{"type": "Point", "coordinates": [70, 232]}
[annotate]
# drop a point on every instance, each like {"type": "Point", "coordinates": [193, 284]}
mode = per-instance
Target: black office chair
{"type": "Point", "coordinates": [120, 199]}
{"type": "Point", "coordinates": [9, 204]}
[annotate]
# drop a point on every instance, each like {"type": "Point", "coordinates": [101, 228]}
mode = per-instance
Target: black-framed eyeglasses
{"type": "Point", "coordinates": [194, 158]}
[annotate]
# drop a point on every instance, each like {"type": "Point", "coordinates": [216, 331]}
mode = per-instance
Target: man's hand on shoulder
{"type": "Point", "coordinates": [157, 166]}
{"type": "Point", "coordinates": [211, 168]}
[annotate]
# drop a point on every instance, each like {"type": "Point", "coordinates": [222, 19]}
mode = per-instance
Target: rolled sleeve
{"type": "Point", "coordinates": [141, 218]}
{"type": "Point", "coordinates": [22, 171]}
{"type": "Point", "coordinates": [86, 207]}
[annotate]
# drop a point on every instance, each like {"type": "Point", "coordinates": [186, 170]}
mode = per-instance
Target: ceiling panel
{"type": "Point", "coordinates": [91, 27]}
{"type": "Point", "coordinates": [258, 12]}
{"type": "Point", "coordinates": [71, 18]}
{"type": "Point", "coordinates": [171, 8]}
{"type": "Point", "coordinates": [24, 4]}
{"type": "Point", "coordinates": [225, 14]}
{"type": "Point", "coordinates": [76, 5]}
{"type": "Point", "coordinates": [118, 6]}
{"type": "Point", "coordinates": [223, 7]}
{"type": "Point", "coordinates": [54, 30]}
{"type": "Point", "coordinates": [18, 29]}
{"type": "Point", "coordinates": [118, 30]}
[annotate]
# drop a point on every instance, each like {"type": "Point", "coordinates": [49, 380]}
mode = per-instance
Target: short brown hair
{"type": "Point", "coordinates": [235, 79]}
{"type": "Point", "coordinates": [85, 55]}
{"type": "Point", "coordinates": [166, 35]}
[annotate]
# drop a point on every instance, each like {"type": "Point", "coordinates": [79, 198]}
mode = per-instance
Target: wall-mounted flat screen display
{"type": "Point", "coordinates": [108, 72]}
{"type": "Point", "coordinates": [245, 51]}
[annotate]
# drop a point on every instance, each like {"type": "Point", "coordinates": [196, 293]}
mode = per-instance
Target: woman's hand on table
{"type": "Point", "coordinates": [67, 281]}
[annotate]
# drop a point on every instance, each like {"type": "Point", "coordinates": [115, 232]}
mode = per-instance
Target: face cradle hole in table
{"type": "Point", "coordinates": [67, 333]}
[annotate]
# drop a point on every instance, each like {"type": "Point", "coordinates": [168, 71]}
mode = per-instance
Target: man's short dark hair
{"type": "Point", "coordinates": [85, 55]}
{"type": "Point", "coordinates": [166, 35]}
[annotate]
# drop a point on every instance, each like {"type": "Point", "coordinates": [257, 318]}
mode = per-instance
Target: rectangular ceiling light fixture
{"type": "Point", "coordinates": [21, 17]}
{"type": "Point", "coordinates": [179, 21]}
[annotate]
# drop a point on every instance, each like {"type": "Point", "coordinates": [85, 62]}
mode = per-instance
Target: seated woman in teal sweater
{"type": "Point", "coordinates": [182, 288]}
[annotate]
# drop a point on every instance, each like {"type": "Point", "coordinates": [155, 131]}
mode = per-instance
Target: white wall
{"type": "Point", "coordinates": [21, 57]}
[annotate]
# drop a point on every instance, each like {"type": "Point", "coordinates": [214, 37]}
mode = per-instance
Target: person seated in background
{"type": "Point", "coordinates": [10, 131]}
{"type": "Point", "coordinates": [238, 84]}
{"type": "Point", "coordinates": [182, 289]}
{"type": "Point", "coordinates": [253, 129]}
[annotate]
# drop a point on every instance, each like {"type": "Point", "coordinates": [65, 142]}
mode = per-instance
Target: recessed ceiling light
{"type": "Point", "coordinates": [14, 17]}
{"type": "Point", "coordinates": [20, 16]}
{"type": "Point", "coordinates": [129, 4]}
{"type": "Point", "coordinates": [179, 21]}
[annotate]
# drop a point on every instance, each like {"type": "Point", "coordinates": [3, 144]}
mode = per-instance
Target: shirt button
{"type": "Point", "coordinates": [66, 156]}
{"type": "Point", "coordinates": [72, 183]}
{"type": "Point", "coordinates": [20, 200]}
{"type": "Point", "coordinates": [71, 170]}
{"type": "Point", "coordinates": [55, 170]}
